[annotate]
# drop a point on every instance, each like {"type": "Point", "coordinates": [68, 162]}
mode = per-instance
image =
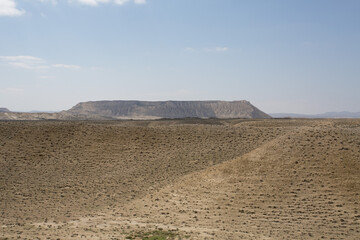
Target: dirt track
{"type": "Point", "coordinates": [206, 179]}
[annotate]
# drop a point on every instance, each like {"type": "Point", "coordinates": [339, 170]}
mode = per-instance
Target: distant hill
{"type": "Point", "coordinates": [38, 116]}
{"type": "Point", "coordinates": [112, 110]}
{"type": "Point", "coordinates": [343, 114]}
{"type": "Point", "coordinates": [4, 110]}
{"type": "Point", "coordinates": [38, 111]}
{"type": "Point", "coordinates": [167, 109]}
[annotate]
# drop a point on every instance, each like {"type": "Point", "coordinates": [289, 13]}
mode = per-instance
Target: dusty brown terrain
{"type": "Point", "coordinates": [201, 179]}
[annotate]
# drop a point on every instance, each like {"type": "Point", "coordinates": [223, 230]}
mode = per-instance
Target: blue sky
{"type": "Point", "coordinates": [281, 55]}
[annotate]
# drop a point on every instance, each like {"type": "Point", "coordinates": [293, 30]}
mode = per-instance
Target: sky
{"type": "Point", "coordinates": [281, 55]}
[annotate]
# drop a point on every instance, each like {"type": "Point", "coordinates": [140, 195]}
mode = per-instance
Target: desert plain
{"type": "Point", "coordinates": [180, 179]}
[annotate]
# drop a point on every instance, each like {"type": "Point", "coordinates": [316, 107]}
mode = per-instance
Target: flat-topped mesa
{"type": "Point", "coordinates": [168, 109]}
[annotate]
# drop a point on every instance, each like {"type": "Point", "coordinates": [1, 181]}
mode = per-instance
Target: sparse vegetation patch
{"type": "Point", "coordinates": [158, 234]}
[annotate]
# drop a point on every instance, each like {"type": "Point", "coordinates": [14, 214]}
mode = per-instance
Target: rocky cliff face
{"type": "Point", "coordinates": [167, 109]}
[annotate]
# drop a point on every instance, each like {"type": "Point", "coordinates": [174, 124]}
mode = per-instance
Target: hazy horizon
{"type": "Point", "coordinates": [271, 113]}
{"type": "Point", "coordinates": [283, 56]}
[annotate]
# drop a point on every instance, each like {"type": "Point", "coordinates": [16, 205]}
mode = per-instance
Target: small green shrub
{"type": "Point", "coordinates": [154, 235]}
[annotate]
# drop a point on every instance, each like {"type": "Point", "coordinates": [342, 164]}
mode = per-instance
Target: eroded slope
{"type": "Point", "coordinates": [303, 185]}
{"type": "Point", "coordinates": [272, 179]}
{"type": "Point", "coordinates": [61, 170]}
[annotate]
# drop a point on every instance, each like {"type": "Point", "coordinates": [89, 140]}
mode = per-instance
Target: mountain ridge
{"type": "Point", "coordinates": [4, 109]}
{"type": "Point", "coordinates": [342, 114]}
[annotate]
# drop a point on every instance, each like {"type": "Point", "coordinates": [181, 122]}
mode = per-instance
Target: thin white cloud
{"type": "Point", "coordinates": [54, 2]}
{"type": "Point", "coordinates": [140, 1]}
{"type": "Point", "coordinates": [221, 49]}
{"type": "Point", "coordinates": [90, 2]}
{"type": "Point", "coordinates": [32, 63]}
{"type": "Point", "coordinates": [97, 2]}
{"type": "Point", "coordinates": [8, 8]}
{"type": "Point", "coordinates": [66, 66]}
{"type": "Point", "coordinates": [27, 62]}
{"type": "Point", "coordinates": [216, 49]}
{"type": "Point", "coordinates": [20, 58]}
{"type": "Point", "coordinates": [121, 2]}
{"type": "Point", "coordinates": [12, 91]}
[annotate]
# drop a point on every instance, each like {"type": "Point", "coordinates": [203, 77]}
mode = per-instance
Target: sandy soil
{"type": "Point", "coordinates": [201, 179]}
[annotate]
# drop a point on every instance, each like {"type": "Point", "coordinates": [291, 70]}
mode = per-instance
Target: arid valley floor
{"type": "Point", "coordinates": [181, 179]}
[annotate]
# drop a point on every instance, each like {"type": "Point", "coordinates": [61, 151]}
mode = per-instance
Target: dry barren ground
{"type": "Point", "coordinates": [180, 179]}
